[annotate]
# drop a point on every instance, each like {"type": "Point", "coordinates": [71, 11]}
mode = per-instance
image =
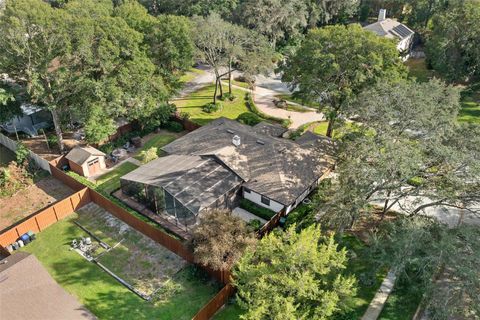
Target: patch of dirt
{"type": "Point", "coordinates": [39, 146]}
{"type": "Point", "coordinates": [368, 223]}
{"type": "Point", "coordinates": [31, 199]}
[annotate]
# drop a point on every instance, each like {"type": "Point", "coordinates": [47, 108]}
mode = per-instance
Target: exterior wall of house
{"type": "Point", "coordinates": [76, 168]}
{"type": "Point", "coordinates": [404, 45]}
{"type": "Point", "coordinates": [257, 198]}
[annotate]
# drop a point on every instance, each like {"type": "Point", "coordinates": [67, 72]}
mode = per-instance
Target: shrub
{"type": "Point", "coordinates": [249, 118]}
{"type": "Point", "coordinates": [257, 210]}
{"type": "Point", "coordinates": [22, 154]}
{"type": "Point", "coordinates": [52, 140]}
{"type": "Point", "coordinates": [148, 155]}
{"type": "Point", "coordinates": [212, 107]}
{"type": "Point", "coordinates": [254, 224]}
{"type": "Point", "coordinates": [184, 115]}
{"type": "Point", "coordinates": [174, 126]}
{"type": "Point", "coordinates": [228, 96]}
{"type": "Point", "coordinates": [13, 178]}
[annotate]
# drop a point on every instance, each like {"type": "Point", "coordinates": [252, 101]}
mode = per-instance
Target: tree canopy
{"type": "Point", "coordinates": [293, 276]}
{"type": "Point", "coordinates": [220, 239]}
{"type": "Point", "coordinates": [335, 63]}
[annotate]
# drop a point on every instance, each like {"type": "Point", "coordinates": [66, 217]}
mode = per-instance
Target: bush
{"type": "Point", "coordinates": [249, 118]}
{"type": "Point", "coordinates": [228, 96]}
{"type": "Point", "coordinates": [52, 140]}
{"type": "Point", "coordinates": [13, 178]}
{"type": "Point", "coordinates": [257, 210]}
{"type": "Point", "coordinates": [212, 107]}
{"type": "Point", "coordinates": [184, 115]}
{"type": "Point", "coordinates": [22, 154]}
{"type": "Point", "coordinates": [174, 126]}
{"type": "Point", "coordinates": [254, 224]}
{"type": "Point", "coordinates": [253, 108]}
{"type": "Point", "coordinates": [148, 155]}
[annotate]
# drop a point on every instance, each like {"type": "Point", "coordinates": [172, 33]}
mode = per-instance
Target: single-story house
{"type": "Point", "coordinates": [392, 29]}
{"type": "Point", "coordinates": [32, 119]}
{"type": "Point", "coordinates": [27, 291]}
{"type": "Point", "coordinates": [86, 161]}
{"type": "Point", "coordinates": [224, 161]}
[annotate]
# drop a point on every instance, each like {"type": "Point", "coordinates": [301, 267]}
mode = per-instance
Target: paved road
{"type": "Point", "coordinates": [265, 92]}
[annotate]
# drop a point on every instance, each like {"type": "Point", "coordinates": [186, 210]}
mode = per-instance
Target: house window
{"type": "Point", "coordinates": [265, 201]}
{"type": "Point", "coordinates": [246, 190]}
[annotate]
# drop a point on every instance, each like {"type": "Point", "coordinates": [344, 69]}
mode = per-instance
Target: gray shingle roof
{"type": "Point", "coordinates": [274, 130]}
{"type": "Point", "coordinates": [195, 181]}
{"type": "Point", "coordinates": [79, 155]}
{"type": "Point", "coordinates": [390, 28]}
{"type": "Point", "coordinates": [280, 169]}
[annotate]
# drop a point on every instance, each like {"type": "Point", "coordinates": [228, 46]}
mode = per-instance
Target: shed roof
{"type": "Point", "coordinates": [195, 181]}
{"type": "Point", "coordinates": [79, 155]}
{"type": "Point", "coordinates": [280, 169]}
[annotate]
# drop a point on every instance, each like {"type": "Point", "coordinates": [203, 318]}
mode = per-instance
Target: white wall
{"type": "Point", "coordinates": [101, 160]}
{"type": "Point", "coordinates": [257, 198]}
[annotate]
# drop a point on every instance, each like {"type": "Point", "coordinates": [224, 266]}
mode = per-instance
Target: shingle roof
{"type": "Point", "coordinates": [280, 169]}
{"type": "Point", "coordinates": [79, 155]}
{"type": "Point", "coordinates": [390, 28]}
{"type": "Point", "coordinates": [195, 181]}
{"type": "Point", "coordinates": [274, 130]}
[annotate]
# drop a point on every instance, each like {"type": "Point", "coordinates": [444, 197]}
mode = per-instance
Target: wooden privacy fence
{"type": "Point", "coordinates": [12, 145]}
{"type": "Point", "coordinates": [55, 170]}
{"type": "Point", "coordinates": [40, 220]}
{"type": "Point", "coordinates": [215, 303]}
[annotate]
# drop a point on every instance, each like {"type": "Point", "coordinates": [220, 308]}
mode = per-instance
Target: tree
{"type": "Point", "coordinates": [335, 63]}
{"type": "Point", "coordinates": [98, 127]}
{"type": "Point", "coordinates": [410, 151]}
{"type": "Point", "coordinates": [293, 275]}
{"type": "Point", "coordinates": [322, 12]}
{"type": "Point", "coordinates": [277, 20]}
{"type": "Point", "coordinates": [191, 7]}
{"type": "Point", "coordinates": [438, 260]}
{"type": "Point", "coordinates": [220, 239]}
{"type": "Point", "coordinates": [34, 42]}
{"type": "Point", "coordinates": [9, 104]}
{"type": "Point", "coordinates": [453, 48]}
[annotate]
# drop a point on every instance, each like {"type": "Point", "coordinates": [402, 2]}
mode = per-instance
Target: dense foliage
{"type": "Point", "coordinates": [294, 275]}
{"type": "Point", "coordinates": [220, 239]}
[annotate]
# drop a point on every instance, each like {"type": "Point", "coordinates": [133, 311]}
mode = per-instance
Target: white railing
{"type": "Point", "coordinates": [12, 145]}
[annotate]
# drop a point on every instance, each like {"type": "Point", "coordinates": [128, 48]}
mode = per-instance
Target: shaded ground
{"type": "Point", "coordinates": [187, 291]}
{"type": "Point", "coordinates": [27, 201]}
{"type": "Point", "coordinates": [6, 155]}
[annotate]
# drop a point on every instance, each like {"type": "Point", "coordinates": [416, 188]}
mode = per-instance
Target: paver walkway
{"type": "Point", "coordinates": [376, 305]}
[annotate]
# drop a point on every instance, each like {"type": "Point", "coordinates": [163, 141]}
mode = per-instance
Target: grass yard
{"type": "Point", "coordinates": [417, 68]}
{"type": "Point", "coordinates": [231, 311]}
{"type": "Point", "coordinates": [190, 75]}
{"type": "Point", "coordinates": [470, 111]}
{"type": "Point", "coordinates": [110, 181]}
{"type": "Point", "coordinates": [157, 141]}
{"type": "Point", "coordinates": [289, 97]}
{"type": "Point", "coordinates": [194, 102]}
{"type": "Point", "coordinates": [402, 302]}
{"type": "Point", "coordinates": [138, 259]}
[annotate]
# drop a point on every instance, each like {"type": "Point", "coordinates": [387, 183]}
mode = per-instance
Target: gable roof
{"type": "Point", "coordinates": [195, 181]}
{"type": "Point", "coordinates": [274, 130]}
{"type": "Point", "coordinates": [391, 29]}
{"type": "Point", "coordinates": [79, 155]}
{"type": "Point", "coordinates": [280, 169]}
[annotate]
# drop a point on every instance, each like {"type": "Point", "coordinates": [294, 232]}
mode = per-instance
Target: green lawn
{"type": "Point", "coordinates": [402, 302]}
{"type": "Point", "coordinates": [470, 111]}
{"type": "Point", "coordinates": [101, 293]}
{"type": "Point", "coordinates": [190, 75]}
{"type": "Point", "coordinates": [111, 180]}
{"type": "Point", "coordinates": [236, 83]}
{"type": "Point", "coordinates": [320, 128]}
{"type": "Point", "coordinates": [231, 311]}
{"type": "Point", "coordinates": [289, 97]}
{"type": "Point", "coordinates": [194, 102]}
{"type": "Point", "coordinates": [417, 68]}
{"type": "Point", "coordinates": [157, 141]}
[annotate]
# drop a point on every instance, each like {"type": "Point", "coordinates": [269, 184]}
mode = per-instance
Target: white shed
{"type": "Point", "coordinates": [86, 161]}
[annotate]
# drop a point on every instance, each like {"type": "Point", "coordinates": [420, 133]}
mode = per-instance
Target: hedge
{"type": "Point", "coordinates": [257, 210]}
{"type": "Point", "coordinates": [253, 108]}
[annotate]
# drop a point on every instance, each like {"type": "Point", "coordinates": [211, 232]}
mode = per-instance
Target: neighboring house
{"type": "Point", "coordinates": [27, 291]}
{"type": "Point", "coordinates": [392, 29]}
{"type": "Point", "coordinates": [217, 164]}
{"type": "Point", "coordinates": [33, 119]}
{"type": "Point", "coordinates": [86, 161]}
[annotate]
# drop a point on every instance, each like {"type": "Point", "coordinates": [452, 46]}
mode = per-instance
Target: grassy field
{"type": "Point", "coordinates": [157, 141]}
{"type": "Point", "coordinates": [190, 75]}
{"type": "Point", "coordinates": [111, 180]}
{"type": "Point", "coordinates": [230, 312]}
{"type": "Point", "coordinates": [402, 302]}
{"type": "Point", "coordinates": [194, 102]}
{"type": "Point", "coordinates": [417, 68]}
{"type": "Point", "coordinates": [470, 111]}
{"type": "Point", "coordinates": [102, 294]}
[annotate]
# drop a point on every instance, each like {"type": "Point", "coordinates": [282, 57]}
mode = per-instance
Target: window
{"type": "Point", "coordinates": [246, 190]}
{"type": "Point", "coordinates": [92, 162]}
{"type": "Point", "coordinates": [265, 201]}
